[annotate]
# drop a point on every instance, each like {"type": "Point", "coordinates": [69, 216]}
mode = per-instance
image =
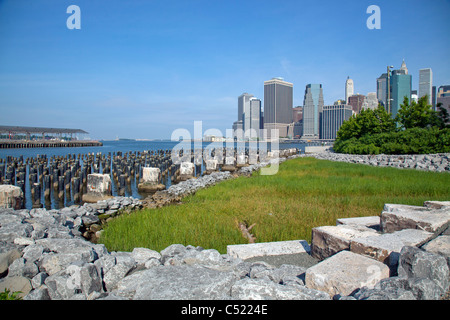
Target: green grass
{"type": "Point", "coordinates": [304, 194]}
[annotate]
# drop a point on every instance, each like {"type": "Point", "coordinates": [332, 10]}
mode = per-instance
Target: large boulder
{"type": "Point", "coordinates": [345, 272]}
{"type": "Point", "coordinates": [182, 282]}
{"type": "Point", "coordinates": [427, 272]}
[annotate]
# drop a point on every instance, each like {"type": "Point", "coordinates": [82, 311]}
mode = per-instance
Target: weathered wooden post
{"type": "Point", "coordinates": [47, 187]}
{"type": "Point", "coordinates": [37, 195]}
{"type": "Point", "coordinates": [76, 190]}
{"type": "Point", "coordinates": [61, 188]}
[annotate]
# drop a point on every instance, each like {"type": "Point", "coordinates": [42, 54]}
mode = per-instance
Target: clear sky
{"type": "Point", "coordinates": [143, 68]}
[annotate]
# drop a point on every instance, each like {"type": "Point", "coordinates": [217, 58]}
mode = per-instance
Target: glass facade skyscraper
{"type": "Point", "coordinates": [426, 84]}
{"type": "Point", "coordinates": [312, 107]}
{"type": "Point", "coordinates": [400, 88]}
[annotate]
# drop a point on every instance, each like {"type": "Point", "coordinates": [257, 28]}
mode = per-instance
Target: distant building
{"type": "Point", "coordinates": [433, 97]}
{"type": "Point", "coordinates": [340, 101]}
{"type": "Point", "coordinates": [332, 119]}
{"type": "Point", "coordinates": [348, 89]}
{"type": "Point", "coordinates": [370, 101]}
{"type": "Point", "coordinates": [278, 103]}
{"type": "Point", "coordinates": [400, 87]}
{"type": "Point", "coordinates": [426, 84]}
{"type": "Point", "coordinates": [443, 97]}
{"type": "Point", "coordinates": [297, 114]}
{"type": "Point", "coordinates": [238, 132]}
{"type": "Point", "coordinates": [356, 101]}
{"type": "Point", "coordinates": [414, 96]}
{"type": "Point", "coordinates": [382, 89]}
{"type": "Point", "coordinates": [312, 107]}
{"type": "Point", "coordinates": [253, 130]}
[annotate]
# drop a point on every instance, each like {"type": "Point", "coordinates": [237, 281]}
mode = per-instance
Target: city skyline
{"type": "Point", "coordinates": [144, 69]}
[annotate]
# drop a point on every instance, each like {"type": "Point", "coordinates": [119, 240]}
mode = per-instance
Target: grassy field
{"type": "Point", "coordinates": [304, 194]}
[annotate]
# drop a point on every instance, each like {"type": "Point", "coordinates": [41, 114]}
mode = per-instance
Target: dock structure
{"type": "Point", "coordinates": [39, 137]}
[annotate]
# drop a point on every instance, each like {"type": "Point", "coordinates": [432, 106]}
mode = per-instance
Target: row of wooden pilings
{"type": "Point", "coordinates": [65, 178]}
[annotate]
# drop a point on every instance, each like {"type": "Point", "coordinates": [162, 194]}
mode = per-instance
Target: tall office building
{"type": "Point", "coordinates": [433, 97]}
{"type": "Point", "coordinates": [243, 105]}
{"type": "Point", "coordinates": [443, 97]}
{"type": "Point", "coordinates": [370, 101]}
{"type": "Point", "coordinates": [356, 101]}
{"type": "Point", "coordinates": [400, 87]}
{"type": "Point", "coordinates": [312, 107]}
{"type": "Point", "coordinates": [348, 89]}
{"type": "Point", "coordinates": [332, 119]}
{"type": "Point", "coordinates": [426, 84]}
{"type": "Point", "coordinates": [382, 89]}
{"type": "Point", "coordinates": [243, 108]}
{"type": "Point", "coordinates": [253, 129]}
{"type": "Point", "coordinates": [278, 102]}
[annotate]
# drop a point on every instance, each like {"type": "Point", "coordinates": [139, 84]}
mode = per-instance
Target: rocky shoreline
{"type": "Point", "coordinates": [45, 255]}
{"type": "Point", "coordinates": [428, 162]}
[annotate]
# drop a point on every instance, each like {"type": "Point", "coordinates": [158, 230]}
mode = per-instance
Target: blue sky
{"type": "Point", "coordinates": [141, 69]}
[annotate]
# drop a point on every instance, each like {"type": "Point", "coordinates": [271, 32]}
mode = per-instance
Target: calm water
{"type": "Point", "coordinates": [108, 147]}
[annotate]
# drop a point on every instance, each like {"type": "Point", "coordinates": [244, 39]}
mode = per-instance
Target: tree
{"type": "Point", "coordinates": [416, 114]}
{"type": "Point", "coordinates": [367, 122]}
{"type": "Point", "coordinates": [443, 117]}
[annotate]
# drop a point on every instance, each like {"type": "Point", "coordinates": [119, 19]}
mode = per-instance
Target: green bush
{"type": "Point", "coordinates": [417, 129]}
{"type": "Point", "coordinates": [409, 141]}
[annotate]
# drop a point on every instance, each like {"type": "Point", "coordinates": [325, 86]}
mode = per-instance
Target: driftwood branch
{"type": "Point", "coordinates": [245, 230]}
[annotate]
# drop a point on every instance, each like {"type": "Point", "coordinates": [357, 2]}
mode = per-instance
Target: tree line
{"type": "Point", "coordinates": [416, 129]}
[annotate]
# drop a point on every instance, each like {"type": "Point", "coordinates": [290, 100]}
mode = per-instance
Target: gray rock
{"type": "Point", "coordinates": [38, 279]}
{"type": "Point", "coordinates": [8, 257]}
{"type": "Point", "coordinates": [124, 264]}
{"type": "Point", "coordinates": [23, 269]}
{"type": "Point", "coordinates": [265, 289]}
{"type": "Point", "coordinates": [416, 263]}
{"type": "Point", "coordinates": [426, 289]}
{"type": "Point", "coordinates": [40, 293]}
{"type": "Point", "coordinates": [176, 282]}
{"type": "Point", "coordinates": [60, 286]}
{"type": "Point", "coordinates": [14, 284]}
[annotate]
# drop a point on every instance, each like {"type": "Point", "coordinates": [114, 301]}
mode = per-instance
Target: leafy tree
{"type": "Point", "coordinates": [416, 114]}
{"type": "Point", "coordinates": [367, 122]}
{"type": "Point", "coordinates": [443, 117]}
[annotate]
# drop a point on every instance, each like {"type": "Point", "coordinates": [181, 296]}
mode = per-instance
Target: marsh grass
{"type": "Point", "coordinates": [304, 194]}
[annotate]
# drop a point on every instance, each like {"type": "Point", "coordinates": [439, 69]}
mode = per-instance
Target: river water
{"type": "Point", "coordinates": [112, 147]}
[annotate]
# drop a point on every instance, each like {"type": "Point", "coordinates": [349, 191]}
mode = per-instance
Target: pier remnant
{"type": "Point", "coordinates": [150, 180]}
{"type": "Point", "coordinates": [98, 188]}
{"type": "Point", "coordinates": [11, 197]}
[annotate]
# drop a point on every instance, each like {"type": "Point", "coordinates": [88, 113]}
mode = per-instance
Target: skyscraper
{"type": "Point", "coordinates": [348, 89]}
{"type": "Point", "coordinates": [332, 119]}
{"type": "Point", "coordinates": [312, 107]}
{"type": "Point", "coordinates": [382, 89]}
{"type": "Point", "coordinates": [278, 102]}
{"type": "Point", "coordinates": [426, 84]}
{"type": "Point", "coordinates": [370, 101]}
{"type": "Point", "coordinates": [400, 87]}
{"type": "Point", "coordinates": [253, 131]}
{"type": "Point", "coordinates": [243, 104]}
{"type": "Point", "coordinates": [356, 102]}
